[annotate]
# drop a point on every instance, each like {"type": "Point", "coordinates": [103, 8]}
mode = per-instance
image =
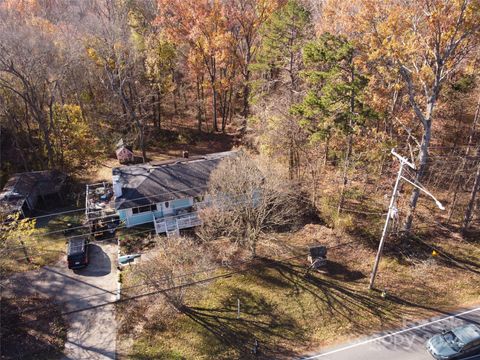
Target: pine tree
{"type": "Point", "coordinates": [283, 36]}
{"type": "Point", "coordinates": [333, 101]}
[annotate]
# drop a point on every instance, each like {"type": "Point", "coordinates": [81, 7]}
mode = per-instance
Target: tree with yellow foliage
{"type": "Point", "coordinates": [424, 42]}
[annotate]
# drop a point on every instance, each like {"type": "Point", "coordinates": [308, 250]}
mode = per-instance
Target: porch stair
{"type": "Point", "coordinates": [171, 226]}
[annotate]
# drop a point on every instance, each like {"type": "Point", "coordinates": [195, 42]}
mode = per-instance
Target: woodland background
{"type": "Point", "coordinates": [324, 87]}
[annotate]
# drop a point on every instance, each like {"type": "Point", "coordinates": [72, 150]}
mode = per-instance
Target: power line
{"type": "Point", "coordinates": [36, 252]}
{"type": "Point", "coordinates": [134, 199]}
{"type": "Point", "coordinates": [104, 217]}
{"type": "Point", "coordinates": [126, 226]}
{"type": "Point", "coordinates": [139, 198]}
{"type": "Point", "coordinates": [158, 291]}
{"type": "Point", "coordinates": [121, 227]}
{"type": "Point", "coordinates": [193, 283]}
{"type": "Point", "coordinates": [113, 291]}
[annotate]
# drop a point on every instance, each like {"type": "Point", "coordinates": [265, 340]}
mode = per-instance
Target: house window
{"type": "Point", "coordinates": [142, 209]}
{"type": "Point", "coordinates": [167, 204]}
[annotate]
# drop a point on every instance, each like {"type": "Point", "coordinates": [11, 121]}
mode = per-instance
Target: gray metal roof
{"type": "Point", "coordinates": [145, 184]}
{"type": "Point", "coordinates": [21, 185]}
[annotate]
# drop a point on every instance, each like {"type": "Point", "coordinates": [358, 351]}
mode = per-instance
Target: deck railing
{"type": "Point", "coordinates": [171, 224]}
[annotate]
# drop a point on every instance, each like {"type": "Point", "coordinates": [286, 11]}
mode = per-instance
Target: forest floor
{"type": "Point", "coordinates": [163, 145]}
{"type": "Point", "coordinates": [291, 313]}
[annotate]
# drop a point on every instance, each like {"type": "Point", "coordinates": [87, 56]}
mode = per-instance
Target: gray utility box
{"type": "Point", "coordinates": [317, 256]}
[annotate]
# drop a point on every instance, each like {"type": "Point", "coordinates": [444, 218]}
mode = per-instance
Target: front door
{"type": "Point", "coordinates": [167, 208]}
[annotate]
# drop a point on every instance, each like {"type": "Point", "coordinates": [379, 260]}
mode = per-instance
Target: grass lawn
{"type": "Point", "coordinates": [291, 314]}
{"type": "Point", "coordinates": [46, 246]}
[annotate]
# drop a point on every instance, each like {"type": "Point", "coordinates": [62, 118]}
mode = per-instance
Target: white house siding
{"type": "Point", "coordinates": [132, 219]}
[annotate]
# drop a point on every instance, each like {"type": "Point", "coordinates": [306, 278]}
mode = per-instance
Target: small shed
{"type": "Point", "coordinates": [124, 153]}
{"type": "Point", "coordinates": [22, 190]}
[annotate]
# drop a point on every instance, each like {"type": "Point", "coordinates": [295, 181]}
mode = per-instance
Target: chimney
{"type": "Point", "coordinates": [117, 186]}
{"type": "Point", "coordinates": [185, 154]}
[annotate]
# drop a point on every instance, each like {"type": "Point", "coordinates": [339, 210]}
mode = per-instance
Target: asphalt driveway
{"type": "Point", "coordinates": [92, 332]}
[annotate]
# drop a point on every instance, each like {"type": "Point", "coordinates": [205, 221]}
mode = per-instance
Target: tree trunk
{"type": "Point", "coordinates": [345, 174]}
{"type": "Point", "coordinates": [473, 130]}
{"type": "Point", "coordinates": [230, 104]}
{"type": "Point", "coordinates": [423, 160]}
{"type": "Point", "coordinates": [134, 118]}
{"type": "Point", "coordinates": [214, 108]}
{"type": "Point", "coordinates": [454, 201]}
{"type": "Point", "coordinates": [246, 89]}
{"type": "Point", "coordinates": [204, 107]}
{"type": "Point", "coordinates": [224, 108]}
{"type": "Point", "coordinates": [246, 104]}
{"type": "Point", "coordinates": [327, 148]}
{"type": "Point", "coordinates": [29, 137]}
{"type": "Point", "coordinates": [469, 211]}
{"type": "Point", "coordinates": [159, 109]}
{"type": "Point", "coordinates": [46, 138]}
{"type": "Point", "coordinates": [174, 93]}
{"type": "Point", "coordinates": [16, 141]}
{"type": "Point", "coordinates": [154, 110]}
{"type": "Point", "coordinates": [350, 140]}
{"type": "Point", "coordinates": [199, 106]}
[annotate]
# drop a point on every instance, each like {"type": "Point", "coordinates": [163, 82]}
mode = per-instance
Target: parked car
{"type": "Point", "coordinates": [127, 259]}
{"type": "Point", "coordinates": [77, 252]}
{"type": "Point", "coordinates": [459, 343]}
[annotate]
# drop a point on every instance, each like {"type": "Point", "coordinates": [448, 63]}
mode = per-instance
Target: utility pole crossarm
{"type": "Point", "coordinates": [402, 159]}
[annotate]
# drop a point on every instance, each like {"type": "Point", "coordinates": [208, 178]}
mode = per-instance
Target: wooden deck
{"type": "Point", "coordinates": [171, 225]}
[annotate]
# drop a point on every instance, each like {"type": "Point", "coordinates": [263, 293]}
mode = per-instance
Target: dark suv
{"type": "Point", "coordinates": [77, 252]}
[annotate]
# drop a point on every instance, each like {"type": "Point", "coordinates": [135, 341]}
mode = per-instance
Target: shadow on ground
{"type": "Point", "coordinates": [99, 265]}
{"type": "Point", "coordinates": [262, 318]}
{"type": "Point", "coordinates": [259, 319]}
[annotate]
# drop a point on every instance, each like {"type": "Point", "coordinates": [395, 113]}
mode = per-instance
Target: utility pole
{"type": "Point", "coordinates": [391, 209]}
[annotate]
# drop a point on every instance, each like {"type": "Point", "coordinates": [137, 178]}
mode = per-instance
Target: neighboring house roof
{"type": "Point", "coordinates": [144, 184]}
{"type": "Point", "coordinates": [124, 151]}
{"type": "Point", "coordinates": [21, 185]}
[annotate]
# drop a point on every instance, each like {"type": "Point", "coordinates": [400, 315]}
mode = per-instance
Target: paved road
{"type": "Point", "coordinates": [92, 333]}
{"type": "Point", "coordinates": [403, 344]}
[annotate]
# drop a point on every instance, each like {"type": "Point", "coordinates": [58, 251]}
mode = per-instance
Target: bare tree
{"type": "Point", "coordinates": [30, 69]}
{"type": "Point", "coordinates": [177, 261]}
{"type": "Point", "coordinates": [446, 41]}
{"type": "Point", "coordinates": [248, 198]}
{"type": "Point", "coordinates": [112, 50]}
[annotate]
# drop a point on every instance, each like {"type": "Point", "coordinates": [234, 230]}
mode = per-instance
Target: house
{"type": "Point", "coordinates": [166, 193]}
{"type": "Point", "coordinates": [124, 153]}
{"type": "Point", "coordinates": [23, 190]}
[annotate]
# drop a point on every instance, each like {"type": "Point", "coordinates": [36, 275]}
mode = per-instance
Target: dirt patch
{"type": "Point", "coordinates": [27, 334]}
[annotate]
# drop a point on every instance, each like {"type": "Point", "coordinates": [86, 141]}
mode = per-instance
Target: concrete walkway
{"type": "Point", "coordinates": [92, 332]}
